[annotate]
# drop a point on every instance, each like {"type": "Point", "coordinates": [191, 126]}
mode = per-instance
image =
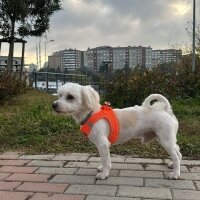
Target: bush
{"type": "Point", "coordinates": [10, 86]}
{"type": "Point", "coordinates": [130, 89]}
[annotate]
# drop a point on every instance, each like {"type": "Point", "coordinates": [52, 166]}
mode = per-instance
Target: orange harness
{"type": "Point", "coordinates": [107, 113]}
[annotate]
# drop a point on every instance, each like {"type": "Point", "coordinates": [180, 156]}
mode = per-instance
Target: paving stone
{"type": "Point", "coordinates": [197, 183]}
{"type": "Point", "coordinates": [186, 194]}
{"type": "Point", "coordinates": [4, 175]}
{"type": "Point", "coordinates": [179, 184]}
{"type": "Point", "coordinates": [190, 176]}
{"type": "Point", "coordinates": [148, 174]}
{"type": "Point", "coordinates": [113, 172]}
{"type": "Point", "coordinates": [190, 162]}
{"type": "Point", "coordinates": [12, 153]}
{"type": "Point", "coordinates": [42, 187]}
{"type": "Point", "coordinates": [92, 189]}
{"type": "Point", "coordinates": [121, 181]}
{"type": "Point", "coordinates": [40, 196]}
{"type": "Point", "coordinates": [143, 160]}
{"type": "Point", "coordinates": [5, 195]}
{"type": "Point", "coordinates": [97, 164]}
{"type": "Point", "coordinates": [194, 168]}
{"type": "Point", "coordinates": [28, 177]}
{"type": "Point", "coordinates": [18, 169]}
{"type": "Point", "coordinates": [73, 179]}
{"type": "Point", "coordinates": [14, 162]}
{"type": "Point", "coordinates": [8, 185]}
{"type": "Point", "coordinates": [113, 159]}
{"type": "Point", "coordinates": [91, 197]}
{"type": "Point", "coordinates": [56, 170]}
{"type": "Point", "coordinates": [144, 192]}
{"type": "Point", "coordinates": [9, 156]}
{"type": "Point", "coordinates": [45, 163]}
{"type": "Point", "coordinates": [163, 168]}
{"type": "Point", "coordinates": [36, 157]}
{"type": "Point", "coordinates": [83, 164]}
{"type": "Point", "coordinates": [127, 166]}
{"type": "Point", "coordinates": [71, 157]}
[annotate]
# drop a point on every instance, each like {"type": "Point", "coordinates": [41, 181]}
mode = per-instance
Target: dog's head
{"type": "Point", "coordinates": [74, 99]}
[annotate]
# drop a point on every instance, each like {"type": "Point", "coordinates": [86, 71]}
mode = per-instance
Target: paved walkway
{"type": "Point", "coordinates": [72, 177]}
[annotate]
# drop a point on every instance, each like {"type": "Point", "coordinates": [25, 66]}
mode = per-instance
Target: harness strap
{"type": "Point", "coordinates": [107, 113]}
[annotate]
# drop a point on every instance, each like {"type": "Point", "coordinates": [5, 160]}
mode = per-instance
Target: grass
{"type": "Point", "coordinates": [29, 124]}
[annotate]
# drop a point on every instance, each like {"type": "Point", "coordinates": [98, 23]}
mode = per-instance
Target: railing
{"type": "Point", "coordinates": [49, 82]}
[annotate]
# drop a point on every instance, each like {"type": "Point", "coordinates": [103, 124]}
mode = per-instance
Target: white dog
{"type": "Point", "coordinates": [146, 122]}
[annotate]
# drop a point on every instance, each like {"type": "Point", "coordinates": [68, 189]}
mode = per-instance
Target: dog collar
{"type": "Point", "coordinates": [86, 118]}
{"type": "Point", "coordinates": [107, 113]}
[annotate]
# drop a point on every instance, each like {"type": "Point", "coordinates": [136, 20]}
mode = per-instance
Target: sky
{"type": "Point", "coordinates": [91, 23]}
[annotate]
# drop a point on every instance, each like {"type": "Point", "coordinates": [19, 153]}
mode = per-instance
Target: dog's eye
{"type": "Point", "coordinates": [69, 97]}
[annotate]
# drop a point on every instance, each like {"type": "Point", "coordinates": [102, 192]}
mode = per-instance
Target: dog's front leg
{"type": "Point", "coordinates": [104, 152]}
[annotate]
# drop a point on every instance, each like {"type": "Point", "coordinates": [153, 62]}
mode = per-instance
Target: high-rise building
{"type": "Point", "coordinates": [165, 56]}
{"type": "Point", "coordinates": [118, 57]}
{"type": "Point", "coordinates": [66, 60]}
{"type": "Point", "coordinates": [140, 56]}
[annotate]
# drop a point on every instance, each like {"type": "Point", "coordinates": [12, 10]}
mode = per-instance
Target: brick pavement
{"type": "Point", "coordinates": [72, 177]}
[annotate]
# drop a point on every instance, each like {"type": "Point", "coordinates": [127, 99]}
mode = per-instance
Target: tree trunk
{"type": "Point", "coordinates": [11, 49]}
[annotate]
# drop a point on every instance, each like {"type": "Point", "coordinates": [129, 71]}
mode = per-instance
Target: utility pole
{"type": "Point", "coordinates": [40, 54]}
{"type": "Point", "coordinates": [37, 55]}
{"type": "Point", "coordinates": [193, 37]}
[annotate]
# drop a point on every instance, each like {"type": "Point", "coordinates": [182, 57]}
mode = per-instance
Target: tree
{"type": "Point", "coordinates": [25, 18]}
{"type": "Point", "coordinates": [197, 35]}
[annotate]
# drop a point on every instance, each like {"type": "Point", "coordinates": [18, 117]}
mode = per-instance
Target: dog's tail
{"type": "Point", "coordinates": [159, 98]}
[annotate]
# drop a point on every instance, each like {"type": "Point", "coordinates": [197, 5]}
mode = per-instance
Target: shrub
{"type": "Point", "coordinates": [10, 86]}
{"type": "Point", "coordinates": [130, 89]}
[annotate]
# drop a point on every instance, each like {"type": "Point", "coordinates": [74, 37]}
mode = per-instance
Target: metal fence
{"type": "Point", "coordinates": [49, 82]}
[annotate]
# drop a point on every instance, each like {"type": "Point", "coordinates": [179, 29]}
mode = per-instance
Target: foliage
{"type": "Point", "coordinates": [133, 88]}
{"type": "Point", "coordinates": [25, 18]}
{"type": "Point", "coordinates": [31, 16]}
{"type": "Point", "coordinates": [10, 86]}
{"type": "Point", "coordinates": [189, 30]}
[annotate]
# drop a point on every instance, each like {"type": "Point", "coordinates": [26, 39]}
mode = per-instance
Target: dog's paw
{"type": "Point", "coordinates": [100, 168]}
{"type": "Point", "coordinates": [102, 175]}
{"type": "Point", "coordinates": [174, 175]}
{"type": "Point", "coordinates": [170, 165]}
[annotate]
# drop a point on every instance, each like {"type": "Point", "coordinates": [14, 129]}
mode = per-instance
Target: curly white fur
{"type": "Point", "coordinates": [146, 122]}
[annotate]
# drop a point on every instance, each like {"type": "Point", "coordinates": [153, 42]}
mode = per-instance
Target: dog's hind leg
{"type": "Point", "coordinates": [171, 165]}
{"type": "Point", "coordinates": [168, 141]}
{"type": "Point", "coordinates": [104, 152]}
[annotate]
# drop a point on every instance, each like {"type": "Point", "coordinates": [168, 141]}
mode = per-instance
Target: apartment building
{"type": "Point", "coordinates": [118, 57]}
{"type": "Point", "coordinates": [68, 59]}
{"type": "Point", "coordinates": [166, 56]}
{"type": "Point", "coordinates": [4, 62]}
{"type": "Point", "coordinates": [140, 56]}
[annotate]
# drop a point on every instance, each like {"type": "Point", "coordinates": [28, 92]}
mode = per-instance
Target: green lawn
{"type": "Point", "coordinates": [28, 124]}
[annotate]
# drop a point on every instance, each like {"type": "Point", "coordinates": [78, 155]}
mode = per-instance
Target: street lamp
{"type": "Point", "coordinates": [193, 37]}
{"type": "Point", "coordinates": [46, 50]}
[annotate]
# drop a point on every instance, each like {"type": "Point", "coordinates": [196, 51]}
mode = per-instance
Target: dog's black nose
{"type": "Point", "coordinates": [54, 105]}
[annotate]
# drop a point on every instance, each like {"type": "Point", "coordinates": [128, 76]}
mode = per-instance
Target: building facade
{"type": "Point", "coordinates": [4, 62]}
{"type": "Point", "coordinates": [66, 60]}
{"type": "Point", "coordinates": [166, 56]}
{"type": "Point", "coordinates": [118, 57]}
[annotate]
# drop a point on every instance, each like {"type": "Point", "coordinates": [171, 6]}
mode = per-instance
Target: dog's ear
{"type": "Point", "coordinates": [90, 97]}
